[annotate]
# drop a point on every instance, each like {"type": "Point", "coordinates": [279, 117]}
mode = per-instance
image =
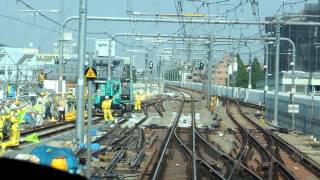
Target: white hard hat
{"type": "Point", "coordinates": [13, 107]}
{"type": "Point", "coordinates": [106, 97]}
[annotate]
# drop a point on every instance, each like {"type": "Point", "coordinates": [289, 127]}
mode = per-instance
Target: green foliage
{"type": "Point", "coordinates": [242, 74]}
{"type": "Point", "coordinates": [257, 72]}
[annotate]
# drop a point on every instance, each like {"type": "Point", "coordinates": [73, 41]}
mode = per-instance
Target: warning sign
{"type": "Point", "coordinates": [150, 65]}
{"type": "Point", "coordinates": [90, 73]}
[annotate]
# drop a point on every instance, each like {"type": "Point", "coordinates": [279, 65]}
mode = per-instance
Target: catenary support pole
{"type": "Point", "coordinates": [109, 59]}
{"type": "Point", "coordinates": [276, 74]}
{"type": "Point", "coordinates": [209, 70]}
{"type": "Point", "coordinates": [61, 42]}
{"type": "Point", "coordinates": [80, 83]}
{"type": "Point", "coordinates": [250, 70]}
{"type": "Point", "coordinates": [146, 72]}
{"type": "Point", "coordinates": [266, 68]}
{"type": "Point", "coordinates": [89, 126]}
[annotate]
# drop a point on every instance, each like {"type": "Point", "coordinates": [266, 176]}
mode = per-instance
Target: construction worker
{"type": "Point", "coordinates": [48, 104]}
{"type": "Point", "coordinates": [71, 101]}
{"type": "Point", "coordinates": [2, 120]}
{"type": "Point", "coordinates": [137, 102]}
{"type": "Point", "coordinates": [212, 104]}
{"type": "Point", "coordinates": [17, 102]}
{"type": "Point", "coordinates": [54, 107]}
{"type": "Point", "coordinates": [11, 91]}
{"type": "Point", "coordinates": [106, 108]}
{"type": "Point", "coordinates": [61, 109]}
{"type": "Point", "coordinates": [4, 116]}
{"type": "Point", "coordinates": [14, 130]}
{"type": "Point", "coordinates": [39, 111]}
{"type": "Point", "coordinates": [41, 78]}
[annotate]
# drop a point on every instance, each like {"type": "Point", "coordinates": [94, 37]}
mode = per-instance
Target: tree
{"type": "Point", "coordinates": [242, 75]}
{"type": "Point", "coordinates": [257, 72]}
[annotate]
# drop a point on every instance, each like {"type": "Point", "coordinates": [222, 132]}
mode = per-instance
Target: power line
{"type": "Point", "coordinates": [60, 24]}
{"type": "Point", "coordinates": [28, 23]}
{"type": "Point", "coordinates": [50, 33]}
{"type": "Point", "coordinates": [40, 13]}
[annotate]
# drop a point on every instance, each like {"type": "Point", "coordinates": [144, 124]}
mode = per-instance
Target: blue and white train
{"type": "Point", "coordinates": [306, 121]}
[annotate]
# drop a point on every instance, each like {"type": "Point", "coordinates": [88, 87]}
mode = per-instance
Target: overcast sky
{"type": "Point", "coordinates": [43, 33]}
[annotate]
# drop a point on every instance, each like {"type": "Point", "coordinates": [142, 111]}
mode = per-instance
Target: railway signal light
{"type": "Point", "coordinates": [201, 66]}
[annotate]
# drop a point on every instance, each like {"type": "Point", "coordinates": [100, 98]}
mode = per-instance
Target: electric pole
{"type": "Point", "coordinates": [80, 83]}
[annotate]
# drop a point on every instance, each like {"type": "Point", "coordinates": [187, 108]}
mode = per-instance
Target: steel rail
{"type": "Point", "coordinates": [125, 134]}
{"type": "Point", "coordinates": [307, 162]}
{"type": "Point", "coordinates": [272, 158]}
{"type": "Point", "coordinates": [194, 159]}
{"type": "Point", "coordinates": [208, 166]}
{"type": "Point", "coordinates": [195, 155]}
{"type": "Point", "coordinates": [236, 163]}
{"type": "Point", "coordinates": [156, 171]}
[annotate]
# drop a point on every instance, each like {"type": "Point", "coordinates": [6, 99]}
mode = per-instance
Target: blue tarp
{"type": "Point", "coordinates": [47, 153]}
{"type": "Point", "coordinates": [94, 146]}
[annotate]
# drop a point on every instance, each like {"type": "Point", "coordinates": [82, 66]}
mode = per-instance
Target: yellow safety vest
{"type": "Point", "coordinates": [41, 76]}
{"type": "Point", "coordinates": [137, 98]}
{"type": "Point", "coordinates": [106, 104]}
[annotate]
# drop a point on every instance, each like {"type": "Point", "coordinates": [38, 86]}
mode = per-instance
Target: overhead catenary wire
{"type": "Point", "coordinates": [180, 4]}
{"type": "Point", "coordinates": [28, 23]}
{"type": "Point", "coordinates": [75, 30]}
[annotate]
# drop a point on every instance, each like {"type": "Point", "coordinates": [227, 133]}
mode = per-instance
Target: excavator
{"type": "Point", "coordinates": [121, 93]}
{"type": "Point", "coordinates": [120, 89]}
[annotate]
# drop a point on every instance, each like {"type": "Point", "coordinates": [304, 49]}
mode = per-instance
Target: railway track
{"type": "Point", "coordinates": [301, 166]}
{"type": "Point", "coordinates": [53, 129]}
{"type": "Point", "coordinates": [263, 153]}
{"type": "Point", "coordinates": [274, 161]}
{"type": "Point", "coordinates": [122, 149]}
{"type": "Point", "coordinates": [60, 127]}
{"type": "Point", "coordinates": [163, 157]}
{"type": "Point", "coordinates": [200, 167]}
{"type": "Point", "coordinates": [201, 160]}
{"type": "Point", "coordinates": [310, 163]}
{"type": "Point", "coordinates": [225, 167]}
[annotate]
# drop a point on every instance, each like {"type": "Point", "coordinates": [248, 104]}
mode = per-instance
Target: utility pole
{"type": "Point", "coordinates": [228, 77]}
{"type": "Point", "coordinates": [90, 92]}
{"type": "Point", "coordinates": [131, 71]}
{"type": "Point", "coordinates": [209, 70]}
{"type": "Point", "coordinates": [250, 67]}
{"type": "Point", "coordinates": [61, 42]}
{"type": "Point", "coordinates": [80, 83]}
{"type": "Point", "coordinates": [276, 83]}
{"type": "Point", "coordinates": [250, 70]}
{"type": "Point", "coordinates": [293, 83]}
{"type": "Point", "coordinates": [131, 62]}
{"type": "Point", "coordinates": [159, 76]}
{"type": "Point", "coordinates": [129, 7]}
{"type": "Point", "coordinates": [188, 58]}
{"type": "Point", "coordinates": [266, 72]}
{"type": "Point", "coordinates": [145, 72]}
{"type": "Point", "coordinates": [180, 71]}
{"type": "Point", "coordinates": [109, 59]}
